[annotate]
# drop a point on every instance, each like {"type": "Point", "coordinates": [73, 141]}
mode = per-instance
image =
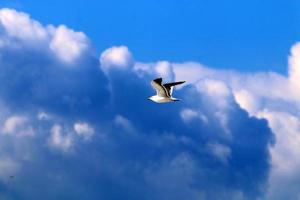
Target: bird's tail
{"type": "Point", "coordinates": [175, 99]}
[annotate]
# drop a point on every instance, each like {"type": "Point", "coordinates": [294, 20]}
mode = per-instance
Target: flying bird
{"type": "Point", "coordinates": [163, 91]}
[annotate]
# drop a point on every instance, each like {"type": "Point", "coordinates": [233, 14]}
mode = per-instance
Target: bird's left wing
{"type": "Point", "coordinates": [160, 89]}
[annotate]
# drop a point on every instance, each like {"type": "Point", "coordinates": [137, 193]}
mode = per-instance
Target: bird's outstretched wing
{"type": "Point", "coordinates": [169, 86]}
{"type": "Point", "coordinates": [160, 89]}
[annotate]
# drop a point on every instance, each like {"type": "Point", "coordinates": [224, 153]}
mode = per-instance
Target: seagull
{"type": "Point", "coordinates": [163, 91]}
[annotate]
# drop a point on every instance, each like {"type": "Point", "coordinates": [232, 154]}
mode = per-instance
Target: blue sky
{"type": "Point", "coordinates": [75, 122]}
{"type": "Point", "coordinates": [254, 35]}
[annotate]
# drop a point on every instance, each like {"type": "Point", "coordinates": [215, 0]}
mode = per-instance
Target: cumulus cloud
{"type": "Point", "coordinates": [216, 144]}
{"type": "Point", "coordinates": [221, 152]}
{"type": "Point", "coordinates": [59, 140]}
{"type": "Point", "coordinates": [124, 123]}
{"type": "Point", "coordinates": [284, 177]}
{"type": "Point", "coordinates": [19, 30]}
{"type": "Point", "coordinates": [19, 25]}
{"type": "Point", "coordinates": [68, 44]}
{"type": "Point", "coordinates": [270, 96]}
{"type": "Point", "coordinates": [216, 91]}
{"type": "Point", "coordinates": [172, 130]}
{"type": "Point", "coordinates": [294, 67]}
{"type": "Point", "coordinates": [77, 100]}
{"type": "Point", "coordinates": [43, 116]}
{"type": "Point", "coordinates": [188, 115]}
{"type": "Point", "coordinates": [116, 57]}
{"type": "Point", "coordinates": [247, 101]}
{"type": "Point", "coordinates": [84, 130]}
{"type": "Point", "coordinates": [33, 72]}
{"type": "Point", "coordinates": [164, 69]}
{"type": "Point", "coordinates": [17, 125]}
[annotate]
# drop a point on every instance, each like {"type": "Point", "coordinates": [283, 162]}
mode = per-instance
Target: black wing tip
{"type": "Point", "coordinates": [179, 82]}
{"type": "Point", "coordinates": [157, 79]}
{"type": "Point", "coordinates": [174, 83]}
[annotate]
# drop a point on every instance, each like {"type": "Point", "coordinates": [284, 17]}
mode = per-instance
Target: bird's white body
{"type": "Point", "coordinates": [164, 91]}
{"type": "Point", "coordinates": [159, 99]}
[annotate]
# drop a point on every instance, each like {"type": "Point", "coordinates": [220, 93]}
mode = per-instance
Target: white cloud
{"type": "Point", "coordinates": [247, 101]}
{"type": "Point", "coordinates": [265, 95]}
{"type": "Point", "coordinates": [17, 125]}
{"type": "Point", "coordinates": [143, 69]}
{"type": "Point", "coordinates": [124, 123]}
{"type": "Point", "coordinates": [294, 65]}
{"type": "Point", "coordinates": [164, 69]}
{"type": "Point", "coordinates": [84, 130]}
{"type": "Point", "coordinates": [60, 141]}
{"type": "Point", "coordinates": [268, 95]}
{"type": "Point", "coordinates": [67, 44]}
{"type": "Point", "coordinates": [116, 57]}
{"type": "Point", "coordinates": [284, 178]}
{"type": "Point", "coordinates": [19, 25]}
{"type": "Point", "coordinates": [214, 88]}
{"type": "Point", "coordinates": [220, 151]}
{"type": "Point", "coordinates": [192, 72]}
{"type": "Point", "coordinates": [43, 116]}
{"type": "Point", "coordinates": [61, 41]}
{"type": "Point", "coordinates": [188, 115]}
{"type": "Point", "coordinates": [257, 93]}
{"type": "Point", "coordinates": [287, 128]}
{"type": "Point", "coordinates": [217, 92]}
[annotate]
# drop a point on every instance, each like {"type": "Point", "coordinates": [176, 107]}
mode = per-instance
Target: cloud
{"type": "Point", "coordinates": [19, 30]}
{"type": "Point", "coordinates": [58, 140]}
{"type": "Point", "coordinates": [284, 177]}
{"type": "Point", "coordinates": [164, 132]}
{"type": "Point", "coordinates": [19, 25]}
{"type": "Point", "coordinates": [216, 91]}
{"type": "Point", "coordinates": [247, 101]}
{"type": "Point", "coordinates": [43, 116]}
{"type": "Point", "coordinates": [116, 57]}
{"type": "Point", "coordinates": [67, 44]}
{"type": "Point", "coordinates": [273, 97]}
{"type": "Point", "coordinates": [84, 130]}
{"type": "Point", "coordinates": [124, 123]}
{"type": "Point", "coordinates": [164, 69]}
{"type": "Point", "coordinates": [188, 115]}
{"type": "Point", "coordinates": [294, 65]}
{"type": "Point", "coordinates": [215, 144]}
{"type": "Point", "coordinates": [221, 152]}
{"type": "Point", "coordinates": [17, 125]}
{"type": "Point", "coordinates": [33, 70]}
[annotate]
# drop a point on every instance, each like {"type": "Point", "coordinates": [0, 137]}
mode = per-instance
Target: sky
{"type": "Point", "coordinates": [75, 122]}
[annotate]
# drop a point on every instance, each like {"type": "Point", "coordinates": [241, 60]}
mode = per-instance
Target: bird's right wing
{"type": "Point", "coordinates": [169, 86]}
{"type": "Point", "coordinates": [160, 90]}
